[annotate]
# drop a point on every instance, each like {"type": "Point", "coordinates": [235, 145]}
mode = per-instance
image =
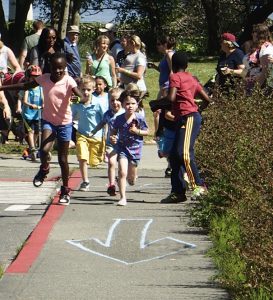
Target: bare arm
{"type": "Point", "coordinates": [113, 71]}
{"type": "Point", "coordinates": [135, 75]}
{"type": "Point", "coordinates": [20, 86]}
{"type": "Point", "coordinates": [13, 61]}
{"type": "Point", "coordinates": [98, 127]}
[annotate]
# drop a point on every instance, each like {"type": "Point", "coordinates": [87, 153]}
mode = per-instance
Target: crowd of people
{"type": "Point", "coordinates": [100, 108]}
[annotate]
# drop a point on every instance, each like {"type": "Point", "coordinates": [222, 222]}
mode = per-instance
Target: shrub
{"type": "Point", "coordinates": [235, 153]}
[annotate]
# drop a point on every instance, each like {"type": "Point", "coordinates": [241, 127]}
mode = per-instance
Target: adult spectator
{"type": "Point", "coordinates": [257, 61]}
{"type": "Point", "coordinates": [71, 50]}
{"type": "Point", "coordinates": [7, 59]}
{"type": "Point", "coordinates": [115, 46]}
{"type": "Point", "coordinates": [165, 45]}
{"type": "Point", "coordinates": [125, 50]}
{"type": "Point", "coordinates": [230, 64]}
{"type": "Point", "coordinates": [48, 44]}
{"type": "Point", "coordinates": [101, 63]}
{"type": "Point", "coordinates": [30, 42]}
{"type": "Point", "coordinates": [134, 65]}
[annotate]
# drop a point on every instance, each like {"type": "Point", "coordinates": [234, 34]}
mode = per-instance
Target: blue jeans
{"type": "Point", "coordinates": [182, 154]}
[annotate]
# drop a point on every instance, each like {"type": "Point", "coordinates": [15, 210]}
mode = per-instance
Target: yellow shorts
{"type": "Point", "coordinates": [90, 149]}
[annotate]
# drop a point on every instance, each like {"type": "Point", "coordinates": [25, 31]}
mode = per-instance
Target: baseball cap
{"type": "Point", "coordinates": [108, 27]}
{"type": "Point", "coordinates": [34, 70]}
{"type": "Point", "coordinates": [230, 38]}
{"type": "Point", "coordinates": [73, 28]}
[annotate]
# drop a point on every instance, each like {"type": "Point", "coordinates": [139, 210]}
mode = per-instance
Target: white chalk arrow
{"type": "Point", "coordinates": [124, 246]}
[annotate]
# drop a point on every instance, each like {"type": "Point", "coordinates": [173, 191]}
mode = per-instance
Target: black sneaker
{"type": "Point", "coordinates": [168, 172]}
{"type": "Point", "coordinates": [40, 176]}
{"type": "Point", "coordinates": [174, 198]}
{"type": "Point", "coordinates": [64, 196]}
{"type": "Point", "coordinates": [84, 187]}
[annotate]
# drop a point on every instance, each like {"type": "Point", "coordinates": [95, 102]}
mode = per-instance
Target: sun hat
{"type": "Point", "coordinates": [108, 27]}
{"type": "Point", "coordinates": [230, 38]}
{"type": "Point", "coordinates": [73, 29]}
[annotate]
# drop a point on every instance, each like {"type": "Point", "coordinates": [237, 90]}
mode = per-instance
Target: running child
{"type": "Point", "coordinates": [183, 89]}
{"type": "Point", "coordinates": [108, 119]}
{"type": "Point", "coordinates": [127, 138]}
{"type": "Point", "coordinates": [57, 118]}
{"type": "Point", "coordinates": [32, 103]}
{"type": "Point", "coordinates": [89, 113]}
{"type": "Point", "coordinates": [101, 92]}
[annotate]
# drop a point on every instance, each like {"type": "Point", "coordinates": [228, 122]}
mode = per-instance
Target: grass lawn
{"type": "Point", "coordinates": [202, 70]}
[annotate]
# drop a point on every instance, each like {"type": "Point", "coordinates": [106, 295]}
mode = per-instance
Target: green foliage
{"type": "Point", "coordinates": [236, 155]}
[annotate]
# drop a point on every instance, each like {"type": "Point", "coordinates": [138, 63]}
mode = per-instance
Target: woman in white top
{"type": "Point", "coordinates": [134, 65]}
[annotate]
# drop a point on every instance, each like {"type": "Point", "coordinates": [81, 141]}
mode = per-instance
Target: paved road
{"type": "Point", "coordinates": [97, 250]}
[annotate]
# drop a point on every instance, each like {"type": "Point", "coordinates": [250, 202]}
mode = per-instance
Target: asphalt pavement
{"type": "Point", "coordinates": [94, 249]}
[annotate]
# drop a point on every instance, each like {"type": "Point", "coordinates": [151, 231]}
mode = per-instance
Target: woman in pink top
{"type": "Point", "coordinates": [57, 118]}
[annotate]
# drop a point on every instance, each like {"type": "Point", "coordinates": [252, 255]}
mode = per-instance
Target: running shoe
{"type": "Point", "coordinates": [111, 190]}
{"type": "Point", "coordinates": [174, 198]}
{"type": "Point", "coordinates": [84, 187]}
{"type": "Point", "coordinates": [64, 196]}
{"type": "Point", "coordinates": [40, 176]}
{"type": "Point", "coordinates": [122, 202]}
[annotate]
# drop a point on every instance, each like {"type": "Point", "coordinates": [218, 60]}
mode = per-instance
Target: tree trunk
{"type": "Point", "coordinates": [64, 18]}
{"type": "Point", "coordinates": [17, 28]}
{"type": "Point", "coordinates": [213, 25]}
{"type": "Point", "coordinates": [3, 26]}
{"type": "Point", "coordinates": [54, 13]}
{"type": "Point", "coordinates": [75, 12]}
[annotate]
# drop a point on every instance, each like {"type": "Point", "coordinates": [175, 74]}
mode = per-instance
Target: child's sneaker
{"type": "Point", "coordinates": [64, 196]}
{"type": "Point", "coordinates": [84, 187]}
{"type": "Point", "coordinates": [122, 202]}
{"type": "Point", "coordinates": [174, 198]}
{"type": "Point", "coordinates": [199, 191]}
{"type": "Point", "coordinates": [33, 154]}
{"type": "Point", "coordinates": [111, 190]}
{"type": "Point", "coordinates": [40, 176]}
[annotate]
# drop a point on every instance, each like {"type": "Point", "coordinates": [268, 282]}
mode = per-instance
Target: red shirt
{"type": "Point", "coordinates": [187, 88]}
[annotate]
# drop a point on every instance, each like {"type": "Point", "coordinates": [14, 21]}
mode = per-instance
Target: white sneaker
{"type": "Point", "coordinates": [84, 186]}
{"type": "Point", "coordinates": [122, 202]}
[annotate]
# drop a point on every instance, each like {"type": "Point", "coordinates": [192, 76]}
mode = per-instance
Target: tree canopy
{"type": "Point", "coordinates": [195, 20]}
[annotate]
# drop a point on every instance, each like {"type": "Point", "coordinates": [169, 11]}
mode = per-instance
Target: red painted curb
{"type": "Point", "coordinates": [39, 235]}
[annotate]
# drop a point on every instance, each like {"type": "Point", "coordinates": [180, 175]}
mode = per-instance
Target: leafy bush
{"type": "Point", "coordinates": [236, 155]}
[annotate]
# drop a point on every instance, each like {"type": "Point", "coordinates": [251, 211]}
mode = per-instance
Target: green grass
{"type": "Point", "coordinates": [1, 271]}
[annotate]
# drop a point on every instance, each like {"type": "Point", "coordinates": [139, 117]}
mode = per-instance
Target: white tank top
{"type": "Point", "coordinates": [4, 59]}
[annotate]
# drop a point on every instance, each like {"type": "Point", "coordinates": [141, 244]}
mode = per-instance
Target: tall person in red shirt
{"type": "Point", "coordinates": [182, 91]}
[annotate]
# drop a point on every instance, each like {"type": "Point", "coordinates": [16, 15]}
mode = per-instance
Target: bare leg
{"type": "Point", "coordinates": [84, 170]}
{"type": "Point", "coordinates": [123, 169]}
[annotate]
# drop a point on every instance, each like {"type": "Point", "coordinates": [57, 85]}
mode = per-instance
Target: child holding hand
{"type": "Point", "coordinates": [89, 113]}
{"type": "Point", "coordinates": [127, 138]}
{"type": "Point", "coordinates": [57, 118]}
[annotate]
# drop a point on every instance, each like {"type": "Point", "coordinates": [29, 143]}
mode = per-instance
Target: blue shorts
{"type": "Point", "coordinates": [62, 132]}
{"type": "Point", "coordinates": [134, 162]}
{"type": "Point", "coordinates": [165, 142]}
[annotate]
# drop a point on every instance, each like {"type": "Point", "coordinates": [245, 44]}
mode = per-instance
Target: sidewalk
{"type": "Point", "coordinates": [97, 250]}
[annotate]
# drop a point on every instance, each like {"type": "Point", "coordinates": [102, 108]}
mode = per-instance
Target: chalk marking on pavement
{"type": "Point", "coordinates": [142, 244]}
{"type": "Point", "coordinates": [17, 208]}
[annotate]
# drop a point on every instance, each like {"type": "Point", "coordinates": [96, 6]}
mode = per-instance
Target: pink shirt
{"type": "Point", "coordinates": [57, 109]}
{"type": "Point", "coordinates": [187, 88]}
